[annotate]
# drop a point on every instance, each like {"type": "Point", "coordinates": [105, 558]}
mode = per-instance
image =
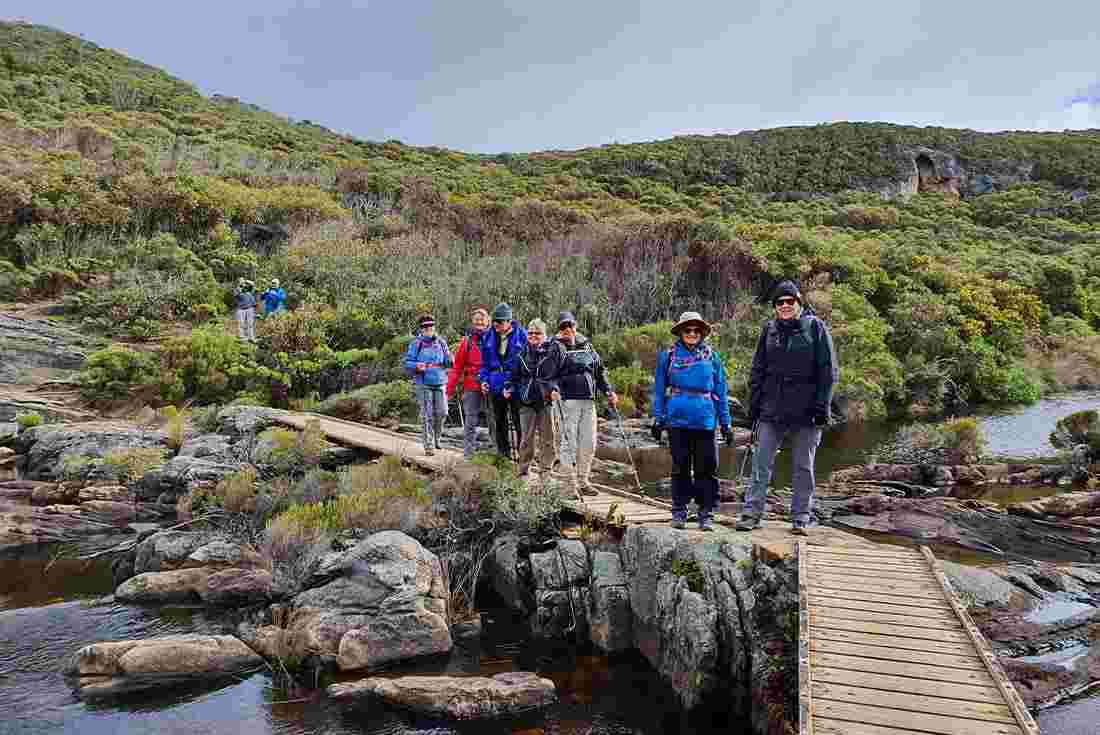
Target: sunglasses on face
{"type": "Point", "coordinates": [500, 321]}
{"type": "Point", "coordinates": [691, 330]}
{"type": "Point", "coordinates": [787, 301]}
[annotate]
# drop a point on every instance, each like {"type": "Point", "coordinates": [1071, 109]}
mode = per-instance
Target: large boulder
{"type": "Point", "coordinates": [51, 447]}
{"type": "Point", "coordinates": [455, 697]}
{"type": "Point", "coordinates": [117, 667]}
{"type": "Point", "coordinates": [167, 550]}
{"type": "Point", "coordinates": [239, 421]}
{"type": "Point", "coordinates": [180, 474]}
{"type": "Point", "coordinates": [610, 622]}
{"type": "Point", "coordinates": [209, 585]}
{"type": "Point", "coordinates": [24, 525]}
{"type": "Point", "coordinates": [1064, 505]}
{"type": "Point", "coordinates": [34, 345]}
{"type": "Point", "coordinates": [382, 601]}
{"type": "Point", "coordinates": [502, 571]}
{"type": "Point", "coordinates": [560, 579]}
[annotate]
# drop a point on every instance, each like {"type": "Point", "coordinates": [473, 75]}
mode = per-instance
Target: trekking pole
{"type": "Point", "coordinates": [513, 434]}
{"type": "Point", "coordinates": [749, 451]}
{"type": "Point", "coordinates": [618, 417]}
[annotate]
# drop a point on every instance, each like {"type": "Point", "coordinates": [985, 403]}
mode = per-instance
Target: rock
{"type": "Point", "coordinates": [33, 344]}
{"type": "Point", "coordinates": [1063, 505]}
{"type": "Point", "coordinates": [124, 666]}
{"type": "Point", "coordinates": [231, 587]}
{"type": "Point", "coordinates": [560, 578]}
{"type": "Point", "coordinates": [179, 474]}
{"type": "Point", "coordinates": [501, 570]}
{"type": "Point", "coordinates": [383, 600]}
{"type": "Point", "coordinates": [211, 447]}
{"type": "Point", "coordinates": [65, 493]}
{"type": "Point", "coordinates": [49, 446]}
{"type": "Point", "coordinates": [911, 473]}
{"type": "Point", "coordinates": [610, 624]}
{"type": "Point", "coordinates": [110, 512]}
{"type": "Point", "coordinates": [455, 697]}
{"type": "Point", "coordinates": [238, 421]}
{"type": "Point", "coordinates": [467, 629]}
{"type": "Point", "coordinates": [8, 432]}
{"type": "Point", "coordinates": [113, 493]}
{"type": "Point", "coordinates": [223, 553]}
{"type": "Point", "coordinates": [23, 525]}
{"type": "Point", "coordinates": [980, 586]}
{"type": "Point", "coordinates": [179, 585]}
{"type": "Point", "coordinates": [168, 550]}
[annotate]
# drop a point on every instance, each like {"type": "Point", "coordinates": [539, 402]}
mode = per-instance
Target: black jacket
{"type": "Point", "coordinates": [535, 373]}
{"type": "Point", "coordinates": [582, 373]}
{"type": "Point", "coordinates": [793, 372]}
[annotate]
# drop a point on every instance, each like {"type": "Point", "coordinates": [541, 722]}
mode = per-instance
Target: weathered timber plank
{"type": "Point", "coordinates": [902, 595]}
{"type": "Point", "coordinates": [856, 595]}
{"type": "Point", "coordinates": [876, 552]}
{"type": "Point", "coordinates": [1023, 718]}
{"type": "Point", "coordinates": [913, 669]}
{"type": "Point", "coordinates": [914, 576]}
{"type": "Point", "coordinates": [986, 711]}
{"type": "Point", "coordinates": [820, 602]}
{"type": "Point", "coordinates": [877, 616]}
{"type": "Point", "coordinates": [901, 631]}
{"type": "Point", "coordinates": [891, 643]}
{"type": "Point", "coordinates": [827, 726]}
{"type": "Point", "coordinates": [883, 585]}
{"type": "Point", "coordinates": [907, 684]}
{"type": "Point", "coordinates": [886, 566]}
{"type": "Point", "coordinates": [838, 554]}
{"type": "Point", "coordinates": [919, 721]}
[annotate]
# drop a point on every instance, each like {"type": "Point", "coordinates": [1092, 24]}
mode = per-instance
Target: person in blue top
{"type": "Point", "coordinates": [274, 298]}
{"type": "Point", "coordinates": [427, 360]}
{"type": "Point", "coordinates": [501, 346]}
{"type": "Point", "coordinates": [689, 401]}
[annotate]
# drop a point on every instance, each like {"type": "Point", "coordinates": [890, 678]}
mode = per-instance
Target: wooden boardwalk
{"type": "Point", "coordinates": [885, 648]}
{"type": "Point", "coordinates": [632, 507]}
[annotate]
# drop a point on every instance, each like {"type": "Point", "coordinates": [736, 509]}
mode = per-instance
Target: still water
{"type": "Point", "coordinates": [48, 611]}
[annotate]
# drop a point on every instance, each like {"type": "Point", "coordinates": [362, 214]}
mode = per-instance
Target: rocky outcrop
{"type": "Point", "coordinates": [1042, 620]}
{"type": "Point", "coordinates": [179, 474]}
{"type": "Point", "coordinates": [241, 421]}
{"type": "Point", "coordinates": [382, 601]}
{"type": "Point", "coordinates": [50, 446]}
{"type": "Point", "coordinates": [24, 525]}
{"type": "Point", "coordinates": [455, 697]}
{"type": "Point", "coordinates": [559, 578]}
{"type": "Point", "coordinates": [950, 475]}
{"type": "Point", "coordinates": [37, 345]}
{"type": "Point", "coordinates": [1081, 506]}
{"type": "Point", "coordinates": [105, 669]}
{"type": "Point", "coordinates": [610, 623]}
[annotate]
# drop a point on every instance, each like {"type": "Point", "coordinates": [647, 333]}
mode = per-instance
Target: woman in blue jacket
{"type": "Point", "coordinates": [427, 361]}
{"type": "Point", "coordinates": [692, 375]}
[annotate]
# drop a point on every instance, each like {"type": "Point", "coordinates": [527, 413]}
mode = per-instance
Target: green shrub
{"type": "Point", "coordinates": [211, 366]}
{"type": "Point", "coordinates": [130, 465]}
{"type": "Point", "coordinates": [691, 572]}
{"type": "Point", "coordinates": [395, 401]}
{"type": "Point", "coordinates": [964, 440]}
{"type": "Point", "coordinates": [115, 373]}
{"type": "Point", "coordinates": [1082, 427]}
{"type": "Point", "coordinates": [286, 451]}
{"type": "Point", "coordinates": [633, 384]}
{"type": "Point", "coordinates": [28, 420]}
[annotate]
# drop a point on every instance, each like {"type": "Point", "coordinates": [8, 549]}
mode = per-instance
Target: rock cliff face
{"type": "Point", "coordinates": [715, 614]}
{"type": "Point", "coordinates": [923, 169]}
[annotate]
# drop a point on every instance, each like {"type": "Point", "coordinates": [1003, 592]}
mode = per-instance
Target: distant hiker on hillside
{"type": "Point", "coordinates": [793, 374]}
{"type": "Point", "coordinates": [427, 360]}
{"type": "Point", "coordinates": [533, 386]}
{"type": "Point", "coordinates": [692, 375]}
{"type": "Point", "coordinates": [245, 297]}
{"type": "Point", "coordinates": [466, 367]}
{"type": "Point", "coordinates": [274, 298]}
{"type": "Point", "coordinates": [581, 376]}
{"type": "Point", "coordinates": [499, 349]}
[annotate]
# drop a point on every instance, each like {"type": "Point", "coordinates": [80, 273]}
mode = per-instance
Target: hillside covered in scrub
{"type": "Point", "coordinates": [950, 264]}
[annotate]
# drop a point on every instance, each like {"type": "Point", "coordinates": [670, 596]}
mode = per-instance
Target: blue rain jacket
{"type": "Point", "coordinates": [434, 352]}
{"type": "Point", "coordinates": [495, 371]}
{"type": "Point", "coordinates": [274, 300]}
{"type": "Point", "coordinates": [690, 392]}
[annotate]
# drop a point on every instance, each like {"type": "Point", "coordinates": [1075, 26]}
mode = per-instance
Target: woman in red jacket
{"type": "Point", "coordinates": [467, 362]}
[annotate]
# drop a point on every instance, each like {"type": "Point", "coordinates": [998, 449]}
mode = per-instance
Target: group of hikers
{"type": "Point", "coordinates": [246, 300]}
{"type": "Point", "coordinates": [539, 393]}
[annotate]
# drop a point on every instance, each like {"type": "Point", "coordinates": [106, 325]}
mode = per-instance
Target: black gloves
{"type": "Point", "coordinates": [656, 430]}
{"type": "Point", "coordinates": [821, 419]}
{"type": "Point", "coordinates": [727, 435]}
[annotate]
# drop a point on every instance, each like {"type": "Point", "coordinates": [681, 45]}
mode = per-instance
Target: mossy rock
{"type": "Point", "coordinates": [1082, 427]}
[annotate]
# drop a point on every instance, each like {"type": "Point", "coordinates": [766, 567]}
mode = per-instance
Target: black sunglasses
{"type": "Point", "coordinates": [500, 321]}
{"type": "Point", "coordinates": [691, 330]}
{"type": "Point", "coordinates": [786, 301]}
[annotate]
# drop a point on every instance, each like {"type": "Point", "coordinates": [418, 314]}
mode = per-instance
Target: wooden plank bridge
{"type": "Point", "coordinates": [885, 645]}
{"type": "Point", "coordinates": [886, 648]}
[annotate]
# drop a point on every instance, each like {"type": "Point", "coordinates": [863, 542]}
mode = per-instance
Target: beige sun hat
{"type": "Point", "coordinates": [690, 317]}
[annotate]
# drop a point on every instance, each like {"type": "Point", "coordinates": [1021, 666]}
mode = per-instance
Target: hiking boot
{"type": "Point", "coordinates": [748, 523]}
{"type": "Point", "coordinates": [706, 524]}
{"type": "Point", "coordinates": [798, 528]}
{"type": "Point", "coordinates": [589, 491]}
{"type": "Point", "coordinates": [677, 524]}
{"type": "Point", "coordinates": [429, 451]}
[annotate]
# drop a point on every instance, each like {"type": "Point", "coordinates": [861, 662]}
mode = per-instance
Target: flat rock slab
{"type": "Point", "coordinates": [117, 667]}
{"type": "Point", "coordinates": [454, 697]}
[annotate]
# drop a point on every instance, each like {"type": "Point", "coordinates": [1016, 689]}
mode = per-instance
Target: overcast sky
{"type": "Point", "coordinates": [494, 75]}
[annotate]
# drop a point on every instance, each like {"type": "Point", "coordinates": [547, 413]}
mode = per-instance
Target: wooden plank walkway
{"type": "Point", "coordinates": [886, 648]}
{"type": "Point", "coordinates": [633, 508]}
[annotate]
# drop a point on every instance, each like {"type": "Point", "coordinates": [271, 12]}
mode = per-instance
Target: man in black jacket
{"type": "Point", "coordinates": [582, 374]}
{"type": "Point", "coordinates": [533, 385]}
{"type": "Point", "coordinates": [793, 374]}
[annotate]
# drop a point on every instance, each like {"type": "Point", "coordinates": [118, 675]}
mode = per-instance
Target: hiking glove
{"type": "Point", "coordinates": [821, 420]}
{"type": "Point", "coordinates": [656, 430]}
{"type": "Point", "coordinates": [727, 435]}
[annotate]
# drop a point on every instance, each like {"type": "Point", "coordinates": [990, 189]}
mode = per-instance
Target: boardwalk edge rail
{"type": "Point", "coordinates": [989, 658]}
{"type": "Point", "coordinates": [805, 683]}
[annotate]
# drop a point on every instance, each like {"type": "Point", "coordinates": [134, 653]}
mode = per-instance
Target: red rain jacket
{"type": "Point", "coordinates": [467, 362]}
